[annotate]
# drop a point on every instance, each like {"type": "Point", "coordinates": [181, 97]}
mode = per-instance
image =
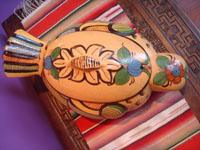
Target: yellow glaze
{"type": "Point", "coordinates": [96, 89]}
{"type": "Point", "coordinates": [98, 69]}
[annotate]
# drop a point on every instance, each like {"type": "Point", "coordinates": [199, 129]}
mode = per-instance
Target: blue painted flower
{"type": "Point", "coordinates": [176, 71]}
{"type": "Point", "coordinates": [48, 63]}
{"type": "Point", "coordinates": [135, 68]}
{"type": "Point", "coordinates": [131, 67]}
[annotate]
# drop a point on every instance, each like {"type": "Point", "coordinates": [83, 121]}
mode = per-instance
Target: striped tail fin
{"type": "Point", "coordinates": [23, 55]}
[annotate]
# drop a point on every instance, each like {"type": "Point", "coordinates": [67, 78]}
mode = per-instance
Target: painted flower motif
{"type": "Point", "coordinates": [174, 72]}
{"type": "Point", "coordinates": [131, 67]}
{"type": "Point", "coordinates": [48, 63]}
{"type": "Point", "coordinates": [91, 64]}
{"type": "Point", "coordinates": [63, 64]}
{"type": "Point", "coordinates": [135, 68]}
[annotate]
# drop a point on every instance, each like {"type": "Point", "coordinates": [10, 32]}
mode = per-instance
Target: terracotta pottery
{"type": "Point", "coordinates": [98, 69]}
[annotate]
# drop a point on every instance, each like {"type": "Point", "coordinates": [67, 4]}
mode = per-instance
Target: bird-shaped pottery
{"type": "Point", "coordinates": [100, 69]}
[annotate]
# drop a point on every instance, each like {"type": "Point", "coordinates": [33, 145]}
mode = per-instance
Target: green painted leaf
{"type": "Point", "coordinates": [122, 77]}
{"type": "Point", "coordinates": [146, 71]}
{"type": "Point", "coordinates": [54, 73]}
{"type": "Point", "coordinates": [160, 78]}
{"type": "Point", "coordinates": [186, 77]}
{"type": "Point", "coordinates": [186, 71]}
{"type": "Point", "coordinates": [55, 53]}
{"type": "Point", "coordinates": [186, 68]}
{"type": "Point", "coordinates": [124, 55]}
{"type": "Point", "coordinates": [120, 108]}
{"type": "Point", "coordinates": [162, 61]}
{"type": "Point", "coordinates": [146, 60]}
{"type": "Point", "coordinates": [122, 28]}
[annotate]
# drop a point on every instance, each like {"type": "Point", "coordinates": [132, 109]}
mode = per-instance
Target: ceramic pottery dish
{"type": "Point", "coordinates": [97, 69]}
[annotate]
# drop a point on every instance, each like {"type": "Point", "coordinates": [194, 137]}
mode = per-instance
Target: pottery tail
{"type": "Point", "coordinates": [23, 55]}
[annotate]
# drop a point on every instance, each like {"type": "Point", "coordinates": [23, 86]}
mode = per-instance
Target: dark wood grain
{"type": "Point", "coordinates": [190, 8]}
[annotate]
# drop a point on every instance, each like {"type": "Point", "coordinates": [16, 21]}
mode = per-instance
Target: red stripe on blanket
{"type": "Point", "coordinates": [55, 16]}
{"type": "Point", "coordinates": [85, 123]}
{"type": "Point", "coordinates": [193, 143]}
{"type": "Point", "coordinates": [65, 9]}
{"type": "Point", "coordinates": [163, 131]}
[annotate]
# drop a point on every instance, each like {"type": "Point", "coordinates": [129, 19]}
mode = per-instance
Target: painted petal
{"type": "Point", "coordinates": [134, 68]}
{"type": "Point", "coordinates": [65, 72]}
{"type": "Point", "coordinates": [177, 80]}
{"type": "Point", "coordinates": [77, 75]}
{"type": "Point", "coordinates": [177, 63]}
{"type": "Point", "coordinates": [66, 56]}
{"type": "Point", "coordinates": [182, 73]}
{"type": "Point", "coordinates": [105, 75]}
{"type": "Point", "coordinates": [168, 71]}
{"type": "Point", "coordinates": [48, 63]}
{"type": "Point", "coordinates": [60, 63]}
{"type": "Point", "coordinates": [112, 64]}
{"type": "Point", "coordinates": [181, 67]}
{"type": "Point", "coordinates": [170, 77]}
{"type": "Point", "coordinates": [106, 54]}
{"type": "Point", "coordinates": [92, 77]}
{"type": "Point", "coordinates": [176, 71]}
{"type": "Point", "coordinates": [94, 50]}
{"type": "Point", "coordinates": [78, 51]}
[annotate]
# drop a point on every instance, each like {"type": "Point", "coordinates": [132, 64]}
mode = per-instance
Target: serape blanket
{"type": "Point", "coordinates": [164, 122]}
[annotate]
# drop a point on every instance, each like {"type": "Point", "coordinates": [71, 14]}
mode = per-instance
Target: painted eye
{"type": "Point", "coordinates": [134, 68]}
{"type": "Point", "coordinates": [176, 71]}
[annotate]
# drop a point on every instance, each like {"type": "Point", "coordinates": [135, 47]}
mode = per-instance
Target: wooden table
{"type": "Point", "coordinates": [172, 26]}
